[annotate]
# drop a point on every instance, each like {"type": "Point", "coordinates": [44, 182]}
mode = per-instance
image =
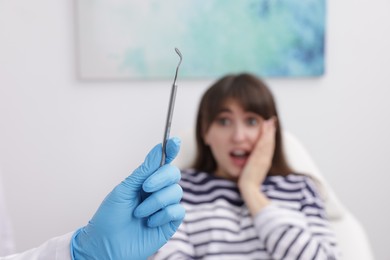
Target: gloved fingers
{"type": "Point", "coordinates": [170, 228]}
{"type": "Point", "coordinates": [151, 164]}
{"type": "Point", "coordinates": [172, 149]}
{"type": "Point", "coordinates": [168, 214]}
{"type": "Point", "coordinates": [163, 177]}
{"type": "Point", "coordinates": [159, 200]}
{"type": "Point", "coordinates": [175, 224]}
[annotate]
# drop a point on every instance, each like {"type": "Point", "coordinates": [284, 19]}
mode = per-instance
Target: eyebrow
{"type": "Point", "coordinates": [224, 110]}
{"type": "Point", "coordinates": [227, 110]}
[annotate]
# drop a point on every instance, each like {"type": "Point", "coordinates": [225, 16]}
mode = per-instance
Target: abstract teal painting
{"type": "Point", "coordinates": [135, 39]}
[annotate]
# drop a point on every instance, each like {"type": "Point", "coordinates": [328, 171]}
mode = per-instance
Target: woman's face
{"type": "Point", "coordinates": [231, 137]}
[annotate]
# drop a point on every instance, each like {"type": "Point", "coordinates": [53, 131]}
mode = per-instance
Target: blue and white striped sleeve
{"type": "Point", "coordinates": [293, 234]}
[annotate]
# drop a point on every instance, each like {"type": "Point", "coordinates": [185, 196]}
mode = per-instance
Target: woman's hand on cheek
{"type": "Point", "coordinates": [260, 160]}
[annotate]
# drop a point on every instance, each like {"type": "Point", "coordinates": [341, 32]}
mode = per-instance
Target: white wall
{"type": "Point", "coordinates": [64, 143]}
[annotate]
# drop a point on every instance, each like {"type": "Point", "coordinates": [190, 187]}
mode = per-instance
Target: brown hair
{"type": "Point", "coordinates": [253, 95]}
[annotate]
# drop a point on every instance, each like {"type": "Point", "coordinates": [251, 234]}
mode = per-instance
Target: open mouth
{"type": "Point", "coordinates": [239, 154]}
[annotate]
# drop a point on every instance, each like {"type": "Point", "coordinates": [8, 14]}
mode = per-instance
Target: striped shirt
{"type": "Point", "coordinates": [218, 224]}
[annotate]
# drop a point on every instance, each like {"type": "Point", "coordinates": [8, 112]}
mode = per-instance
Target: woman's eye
{"type": "Point", "coordinates": [252, 121]}
{"type": "Point", "coordinates": [223, 121]}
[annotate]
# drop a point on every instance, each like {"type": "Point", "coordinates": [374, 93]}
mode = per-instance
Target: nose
{"type": "Point", "coordinates": [238, 133]}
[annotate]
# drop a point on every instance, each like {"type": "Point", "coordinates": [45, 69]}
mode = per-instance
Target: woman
{"type": "Point", "coordinates": [242, 199]}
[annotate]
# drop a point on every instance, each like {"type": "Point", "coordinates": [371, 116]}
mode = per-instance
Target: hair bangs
{"type": "Point", "coordinates": [250, 96]}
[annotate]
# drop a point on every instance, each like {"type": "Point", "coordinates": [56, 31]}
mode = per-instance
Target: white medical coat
{"type": "Point", "coordinates": [57, 248]}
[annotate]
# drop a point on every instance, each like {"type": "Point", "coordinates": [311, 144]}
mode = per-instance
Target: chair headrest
{"type": "Point", "coordinates": [301, 161]}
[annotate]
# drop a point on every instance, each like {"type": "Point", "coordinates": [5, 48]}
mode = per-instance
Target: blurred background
{"type": "Point", "coordinates": [65, 142]}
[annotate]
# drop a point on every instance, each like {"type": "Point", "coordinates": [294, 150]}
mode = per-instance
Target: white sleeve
{"type": "Point", "coordinates": [57, 248]}
{"type": "Point", "coordinates": [293, 234]}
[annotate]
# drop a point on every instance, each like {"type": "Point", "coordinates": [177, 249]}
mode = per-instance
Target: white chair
{"type": "Point", "coordinates": [350, 234]}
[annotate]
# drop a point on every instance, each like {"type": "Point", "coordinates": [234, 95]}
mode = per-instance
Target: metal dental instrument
{"type": "Point", "coordinates": [170, 110]}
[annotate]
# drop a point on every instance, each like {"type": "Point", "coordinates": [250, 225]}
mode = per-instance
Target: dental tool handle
{"type": "Point", "coordinates": [168, 122]}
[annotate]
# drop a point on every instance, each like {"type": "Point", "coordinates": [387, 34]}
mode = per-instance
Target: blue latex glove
{"type": "Point", "coordinates": [130, 225]}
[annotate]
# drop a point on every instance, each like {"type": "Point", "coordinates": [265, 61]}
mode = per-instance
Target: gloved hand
{"type": "Point", "coordinates": [130, 225]}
